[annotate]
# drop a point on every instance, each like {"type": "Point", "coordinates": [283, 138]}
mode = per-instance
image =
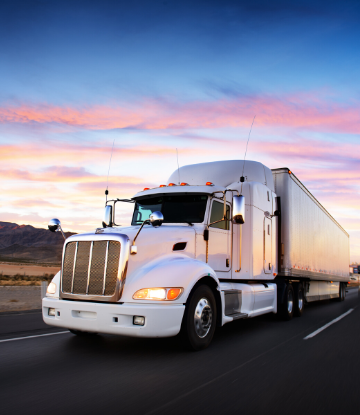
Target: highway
{"type": "Point", "coordinates": [254, 366]}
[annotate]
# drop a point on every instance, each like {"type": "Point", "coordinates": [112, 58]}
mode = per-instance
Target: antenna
{"type": "Point", "coordinates": [242, 178]}
{"type": "Point", "coordinates": [107, 181]}
{"type": "Point", "coordinates": [177, 157]}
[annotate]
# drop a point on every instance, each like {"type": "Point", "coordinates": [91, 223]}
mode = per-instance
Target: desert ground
{"type": "Point", "coordinates": [8, 268]}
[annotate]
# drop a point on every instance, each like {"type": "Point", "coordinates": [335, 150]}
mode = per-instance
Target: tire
{"type": "Point", "coordinates": [342, 292]}
{"type": "Point", "coordinates": [299, 300]}
{"type": "Point", "coordinates": [286, 309]}
{"type": "Point", "coordinates": [199, 322]}
{"type": "Point", "coordinates": [82, 333]}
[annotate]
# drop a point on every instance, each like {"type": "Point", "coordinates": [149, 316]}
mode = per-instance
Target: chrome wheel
{"type": "Point", "coordinates": [300, 300]}
{"type": "Point", "coordinates": [290, 302]}
{"type": "Point", "coordinates": [203, 317]}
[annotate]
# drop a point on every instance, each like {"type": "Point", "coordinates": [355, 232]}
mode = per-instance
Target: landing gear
{"type": "Point", "coordinates": [199, 322]}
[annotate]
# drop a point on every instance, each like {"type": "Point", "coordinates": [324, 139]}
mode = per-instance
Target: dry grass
{"type": "Point", "coordinates": [24, 280]}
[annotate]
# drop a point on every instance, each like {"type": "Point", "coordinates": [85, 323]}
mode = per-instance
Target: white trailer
{"type": "Point", "coordinates": [217, 242]}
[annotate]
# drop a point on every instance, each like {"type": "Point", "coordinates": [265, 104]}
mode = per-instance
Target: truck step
{"type": "Point", "coordinates": [237, 316]}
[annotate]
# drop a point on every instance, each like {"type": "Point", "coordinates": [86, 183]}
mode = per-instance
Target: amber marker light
{"type": "Point", "coordinates": [146, 188]}
{"type": "Point", "coordinates": [289, 171]}
{"type": "Point", "coordinates": [173, 293]}
{"type": "Point", "coordinates": [209, 184]}
{"type": "Point", "coordinates": [184, 184]}
{"type": "Point", "coordinates": [171, 184]}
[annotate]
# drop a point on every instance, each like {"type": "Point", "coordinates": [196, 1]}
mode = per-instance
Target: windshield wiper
{"type": "Point", "coordinates": [189, 223]}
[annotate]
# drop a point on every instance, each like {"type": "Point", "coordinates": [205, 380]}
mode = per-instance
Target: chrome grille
{"type": "Point", "coordinates": [112, 267]}
{"type": "Point", "coordinates": [97, 271]}
{"type": "Point", "coordinates": [91, 268]}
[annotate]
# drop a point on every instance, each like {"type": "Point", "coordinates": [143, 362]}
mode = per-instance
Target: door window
{"type": "Point", "coordinates": [217, 213]}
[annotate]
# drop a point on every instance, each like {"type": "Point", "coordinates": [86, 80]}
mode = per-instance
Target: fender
{"type": "Point", "coordinates": [173, 270]}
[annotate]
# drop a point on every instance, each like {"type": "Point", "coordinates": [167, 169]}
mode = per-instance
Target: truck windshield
{"type": "Point", "coordinates": [175, 208]}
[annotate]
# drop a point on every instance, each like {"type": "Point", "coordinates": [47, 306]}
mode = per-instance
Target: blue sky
{"type": "Point", "coordinates": [161, 75]}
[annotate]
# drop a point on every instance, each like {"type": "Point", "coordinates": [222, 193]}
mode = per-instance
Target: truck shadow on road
{"type": "Point", "coordinates": [266, 330]}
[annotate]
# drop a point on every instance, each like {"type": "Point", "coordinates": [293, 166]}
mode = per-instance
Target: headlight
{"type": "Point", "coordinates": [159, 294]}
{"type": "Point", "coordinates": [51, 289]}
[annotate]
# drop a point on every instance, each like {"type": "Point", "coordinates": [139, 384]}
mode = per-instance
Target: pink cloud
{"type": "Point", "coordinates": [29, 203]}
{"type": "Point", "coordinates": [76, 153]}
{"type": "Point", "coordinates": [300, 111]}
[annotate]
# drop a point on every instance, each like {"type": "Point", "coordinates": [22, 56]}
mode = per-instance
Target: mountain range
{"type": "Point", "coordinates": [29, 244]}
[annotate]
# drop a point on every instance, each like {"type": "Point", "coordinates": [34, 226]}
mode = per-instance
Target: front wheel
{"type": "Point", "coordinates": [199, 322]}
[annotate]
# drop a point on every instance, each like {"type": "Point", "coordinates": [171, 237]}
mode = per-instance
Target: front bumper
{"type": "Point", "coordinates": [160, 320]}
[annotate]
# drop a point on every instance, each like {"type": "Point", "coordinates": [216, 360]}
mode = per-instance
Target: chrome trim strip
{"type": "Point", "coordinates": [105, 266]}
{"type": "Point", "coordinates": [73, 276]}
{"type": "Point", "coordinates": [89, 267]}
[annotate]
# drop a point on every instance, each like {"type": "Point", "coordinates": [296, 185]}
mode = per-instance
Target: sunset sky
{"type": "Point", "coordinates": [159, 75]}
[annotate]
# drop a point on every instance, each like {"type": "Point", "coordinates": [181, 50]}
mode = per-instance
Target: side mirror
{"type": "Point", "coordinates": [156, 218]}
{"type": "Point", "coordinates": [238, 210]}
{"type": "Point", "coordinates": [55, 226]}
{"type": "Point", "coordinates": [107, 221]}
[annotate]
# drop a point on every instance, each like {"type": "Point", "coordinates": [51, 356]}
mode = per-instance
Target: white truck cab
{"type": "Point", "coordinates": [202, 250]}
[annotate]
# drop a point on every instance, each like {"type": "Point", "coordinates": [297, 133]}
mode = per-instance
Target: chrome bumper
{"type": "Point", "coordinates": [114, 318]}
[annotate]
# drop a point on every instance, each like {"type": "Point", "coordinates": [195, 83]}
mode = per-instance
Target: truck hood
{"type": "Point", "coordinates": [153, 243]}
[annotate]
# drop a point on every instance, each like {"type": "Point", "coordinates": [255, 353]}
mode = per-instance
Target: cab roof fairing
{"type": "Point", "coordinates": [223, 173]}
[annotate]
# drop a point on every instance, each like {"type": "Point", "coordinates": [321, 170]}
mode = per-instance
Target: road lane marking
{"type": "Point", "coordinates": [215, 379]}
{"type": "Point", "coordinates": [328, 324]}
{"type": "Point", "coordinates": [31, 337]}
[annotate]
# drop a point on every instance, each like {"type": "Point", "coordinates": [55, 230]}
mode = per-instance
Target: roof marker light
{"type": "Point", "coordinates": [146, 188]}
{"type": "Point", "coordinates": [184, 184]}
{"type": "Point", "coordinates": [289, 171]}
{"type": "Point", "coordinates": [209, 184]}
{"type": "Point", "coordinates": [171, 184]}
{"type": "Point", "coordinates": [162, 185]}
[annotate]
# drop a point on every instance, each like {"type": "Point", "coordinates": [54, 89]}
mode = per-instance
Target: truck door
{"type": "Point", "coordinates": [219, 245]}
{"type": "Point", "coordinates": [267, 246]}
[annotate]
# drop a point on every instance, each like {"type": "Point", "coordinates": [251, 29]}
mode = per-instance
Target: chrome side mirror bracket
{"type": "Point", "coordinates": [55, 226]}
{"type": "Point", "coordinates": [156, 219]}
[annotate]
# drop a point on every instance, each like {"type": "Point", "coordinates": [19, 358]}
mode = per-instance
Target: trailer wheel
{"type": "Point", "coordinates": [299, 300]}
{"type": "Point", "coordinates": [82, 333]}
{"type": "Point", "coordinates": [199, 322]}
{"type": "Point", "coordinates": [286, 309]}
{"type": "Point", "coordinates": [342, 292]}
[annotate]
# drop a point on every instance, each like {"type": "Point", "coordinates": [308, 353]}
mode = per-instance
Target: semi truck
{"type": "Point", "coordinates": [217, 242]}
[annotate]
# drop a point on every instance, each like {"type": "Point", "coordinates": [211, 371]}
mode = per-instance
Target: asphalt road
{"type": "Point", "coordinates": [255, 366]}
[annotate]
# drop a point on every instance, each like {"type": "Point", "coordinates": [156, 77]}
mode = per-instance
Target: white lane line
{"type": "Point", "coordinates": [31, 337]}
{"type": "Point", "coordinates": [328, 324]}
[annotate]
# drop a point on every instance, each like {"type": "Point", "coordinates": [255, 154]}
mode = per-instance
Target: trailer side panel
{"type": "Point", "coordinates": [314, 245]}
